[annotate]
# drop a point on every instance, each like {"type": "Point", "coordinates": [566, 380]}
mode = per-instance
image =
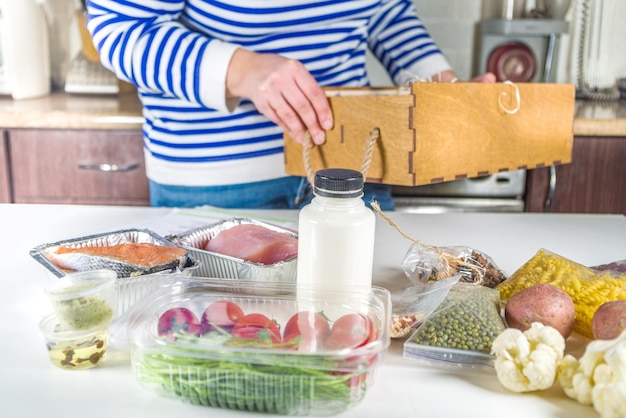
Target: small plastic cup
{"type": "Point", "coordinates": [73, 349]}
{"type": "Point", "coordinates": [84, 300]}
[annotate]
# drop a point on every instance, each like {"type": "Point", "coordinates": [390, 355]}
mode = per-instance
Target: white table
{"type": "Point", "coordinates": [31, 387]}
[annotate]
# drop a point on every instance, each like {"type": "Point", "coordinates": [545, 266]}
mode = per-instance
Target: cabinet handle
{"type": "Point", "coordinates": [551, 188]}
{"type": "Point", "coordinates": [109, 167]}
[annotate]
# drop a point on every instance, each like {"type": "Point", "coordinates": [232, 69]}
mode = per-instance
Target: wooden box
{"type": "Point", "coordinates": [436, 132]}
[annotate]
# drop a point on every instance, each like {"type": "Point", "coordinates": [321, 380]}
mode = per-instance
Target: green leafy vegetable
{"type": "Point", "coordinates": [273, 384]}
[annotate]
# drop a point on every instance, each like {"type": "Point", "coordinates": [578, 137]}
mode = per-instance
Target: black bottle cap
{"type": "Point", "coordinates": [338, 182]}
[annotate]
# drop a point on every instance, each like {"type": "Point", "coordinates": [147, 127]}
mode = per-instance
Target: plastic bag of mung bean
{"type": "Point", "coordinates": [416, 303]}
{"type": "Point", "coordinates": [461, 330]}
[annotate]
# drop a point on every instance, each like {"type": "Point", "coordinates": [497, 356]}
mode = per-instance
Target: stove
{"type": "Point", "coordinates": [501, 192]}
{"type": "Point", "coordinates": [521, 50]}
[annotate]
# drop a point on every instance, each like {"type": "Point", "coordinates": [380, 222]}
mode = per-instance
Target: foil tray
{"type": "Point", "coordinates": [132, 282]}
{"type": "Point", "coordinates": [221, 266]}
{"type": "Point", "coordinates": [42, 252]}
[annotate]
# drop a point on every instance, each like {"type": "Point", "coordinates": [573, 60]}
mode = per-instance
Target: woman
{"type": "Point", "coordinates": [221, 80]}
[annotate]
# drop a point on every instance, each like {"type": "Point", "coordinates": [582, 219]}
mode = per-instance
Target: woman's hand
{"type": "Point", "coordinates": [485, 78]}
{"type": "Point", "coordinates": [449, 76]}
{"type": "Point", "coordinates": [283, 90]}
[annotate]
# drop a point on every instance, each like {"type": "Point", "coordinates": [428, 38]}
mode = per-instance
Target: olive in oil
{"type": "Point", "coordinates": [73, 349]}
{"type": "Point", "coordinates": [79, 353]}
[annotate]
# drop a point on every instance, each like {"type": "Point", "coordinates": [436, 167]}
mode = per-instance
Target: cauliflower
{"type": "Point", "coordinates": [527, 361]}
{"type": "Point", "coordinates": [599, 377]}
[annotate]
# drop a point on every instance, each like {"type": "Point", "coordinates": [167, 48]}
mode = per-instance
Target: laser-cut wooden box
{"type": "Point", "coordinates": [435, 132]}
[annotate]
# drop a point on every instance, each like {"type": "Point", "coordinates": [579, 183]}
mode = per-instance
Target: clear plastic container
{"type": "Point", "coordinates": [266, 371]}
{"type": "Point", "coordinates": [84, 300]}
{"type": "Point", "coordinates": [74, 349]}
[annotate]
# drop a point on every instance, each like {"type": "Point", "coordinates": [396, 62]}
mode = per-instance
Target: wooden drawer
{"type": "Point", "coordinates": [78, 166]}
{"type": "Point", "coordinates": [5, 180]}
{"type": "Point", "coordinates": [595, 181]}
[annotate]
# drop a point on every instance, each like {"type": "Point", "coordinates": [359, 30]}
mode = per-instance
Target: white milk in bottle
{"type": "Point", "coordinates": [336, 236]}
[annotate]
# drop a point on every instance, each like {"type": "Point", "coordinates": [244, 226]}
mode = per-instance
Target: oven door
{"type": "Point", "coordinates": [501, 192]}
{"type": "Point", "coordinates": [457, 204]}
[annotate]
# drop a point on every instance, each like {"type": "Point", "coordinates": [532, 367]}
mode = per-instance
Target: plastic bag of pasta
{"type": "Point", "coordinates": [589, 288]}
{"type": "Point", "coordinates": [424, 263]}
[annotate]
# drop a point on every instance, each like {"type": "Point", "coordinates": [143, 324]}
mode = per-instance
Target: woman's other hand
{"type": "Point", "coordinates": [449, 76]}
{"type": "Point", "coordinates": [283, 90]}
{"type": "Point", "coordinates": [485, 78]}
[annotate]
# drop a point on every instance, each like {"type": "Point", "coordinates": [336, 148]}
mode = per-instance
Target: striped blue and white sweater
{"type": "Point", "coordinates": [177, 52]}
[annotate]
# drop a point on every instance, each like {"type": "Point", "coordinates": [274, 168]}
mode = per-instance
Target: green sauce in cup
{"type": "Point", "coordinates": [84, 312]}
{"type": "Point", "coordinates": [85, 299]}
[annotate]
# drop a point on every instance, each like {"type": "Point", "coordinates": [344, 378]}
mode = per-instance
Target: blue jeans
{"type": "Point", "coordinates": [283, 193]}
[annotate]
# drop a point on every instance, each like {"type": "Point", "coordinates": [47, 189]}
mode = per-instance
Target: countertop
{"type": "Point", "coordinates": [66, 111]}
{"type": "Point", "coordinates": [31, 386]}
{"type": "Point", "coordinates": [63, 111]}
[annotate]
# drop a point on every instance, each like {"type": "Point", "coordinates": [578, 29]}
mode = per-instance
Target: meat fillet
{"type": "Point", "coordinates": [254, 243]}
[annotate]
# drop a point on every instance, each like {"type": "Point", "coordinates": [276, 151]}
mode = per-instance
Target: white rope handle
{"type": "Point", "coordinates": [517, 98]}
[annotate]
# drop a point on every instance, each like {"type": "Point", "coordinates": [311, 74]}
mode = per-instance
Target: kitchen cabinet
{"type": "Point", "coordinates": [44, 143]}
{"type": "Point", "coordinates": [5, 181]}
{"type": "Point", "coordinates": [594, 182]}
{"type": "Point", "coordinates": [99, 167]}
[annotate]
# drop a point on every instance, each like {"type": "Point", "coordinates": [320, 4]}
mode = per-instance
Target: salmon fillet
{"type": "Point", "coordinates": [142, 254]}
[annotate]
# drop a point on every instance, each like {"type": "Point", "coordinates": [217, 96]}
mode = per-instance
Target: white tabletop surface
{"type": "Point", "coordinates": [31, 387]}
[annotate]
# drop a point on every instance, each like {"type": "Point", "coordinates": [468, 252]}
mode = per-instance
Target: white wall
{"type": "Point", "coordinates": [606, 53]}
{"type": "Point", "coordinates": [453, 25]}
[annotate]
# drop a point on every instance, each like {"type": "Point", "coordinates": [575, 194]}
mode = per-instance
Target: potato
{"type": "Point", "coordinates": [609, 320]}
{"type": "Point", "coordinates": [542, 303]}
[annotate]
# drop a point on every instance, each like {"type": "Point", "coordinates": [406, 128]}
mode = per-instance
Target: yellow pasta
{"type": "Point", "coordinates": [588, 288]}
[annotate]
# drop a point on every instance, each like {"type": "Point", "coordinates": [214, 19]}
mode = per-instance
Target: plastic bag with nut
{"type": "Point", "coordinates": [416, 303]}
{"type": "Point", "coordinates": [424, 263]}
{"type": "Point", "coordinates": [462, 328]}
{"type": "Point", "coordinates": [588, 288]}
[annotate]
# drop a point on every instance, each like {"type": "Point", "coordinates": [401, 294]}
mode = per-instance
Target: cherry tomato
{"type": "Point", "coordinates": [178, 320]}
{"type": "Point", "coordinates": [220, 314]}
{"type": "Point", "coordinates": [306, 330]}
{"type": "Point", "coordinates": [350, 331]}
{"type": "Point", "coordinates": [256, 326]}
